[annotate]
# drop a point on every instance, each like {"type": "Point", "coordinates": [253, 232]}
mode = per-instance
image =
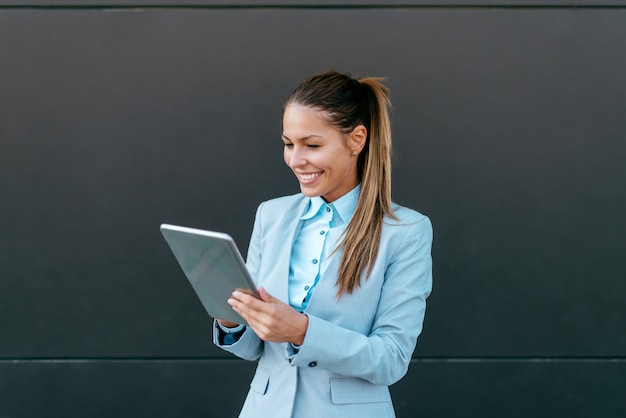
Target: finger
{"type": "Point", "coordinates": [265, 296]}
{"type": "Point", "coordinates": [246, 291]}
{"type": "Point", "coordinates": [244, 311]}
{"type": "Point", "coordinates": [246, 305]}
{"type": "Point", "coordinates": [243, 296]}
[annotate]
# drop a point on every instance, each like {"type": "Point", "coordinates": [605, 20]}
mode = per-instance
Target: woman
{"type": "Point", "coordinates": [343, 273]}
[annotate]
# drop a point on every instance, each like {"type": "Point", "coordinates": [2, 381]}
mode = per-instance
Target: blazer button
{"type": "Point", "coordinates": [313, 364]}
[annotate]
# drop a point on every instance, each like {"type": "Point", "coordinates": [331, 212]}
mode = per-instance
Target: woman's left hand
{"type": "Point", "coordinates": [270, 318]}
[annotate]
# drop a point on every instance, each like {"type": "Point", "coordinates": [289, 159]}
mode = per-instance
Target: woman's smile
{"type": "Point", "coordinates": [309, 177]}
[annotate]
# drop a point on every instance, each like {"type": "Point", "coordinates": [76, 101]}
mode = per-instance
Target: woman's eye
{"type": "Point", "coordinates": [288, 145]}
{"type": "Point", "coordinates": [312, 146]}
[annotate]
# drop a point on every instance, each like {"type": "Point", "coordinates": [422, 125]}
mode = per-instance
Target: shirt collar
{"type": "Point", "coordinates": [344, 206]}
{"type": "Point", "coordinates": [315, 203]}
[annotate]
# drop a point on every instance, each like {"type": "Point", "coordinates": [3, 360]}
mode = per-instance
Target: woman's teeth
{"type": "Point", "coordinates": [309, 176]}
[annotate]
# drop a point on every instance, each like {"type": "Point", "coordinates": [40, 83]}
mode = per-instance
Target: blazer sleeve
{"type": "Point", "coordinates": [248, 346]}
{"type": "Point", "coordinates": [383, 356]}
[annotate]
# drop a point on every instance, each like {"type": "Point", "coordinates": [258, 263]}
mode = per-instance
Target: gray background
{"type": "Point", "coordinates": [509, 126]}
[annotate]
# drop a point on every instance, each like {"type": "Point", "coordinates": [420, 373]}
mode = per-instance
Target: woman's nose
{"type": "Point", "coordinates": [295, 158]}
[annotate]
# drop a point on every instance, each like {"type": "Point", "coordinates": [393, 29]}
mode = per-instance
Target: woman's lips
{"type": "Point", "coordinates": [308, 177]}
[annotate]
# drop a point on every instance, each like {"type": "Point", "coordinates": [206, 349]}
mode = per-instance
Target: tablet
{"type": "Point", "coordinates": [213, 265]}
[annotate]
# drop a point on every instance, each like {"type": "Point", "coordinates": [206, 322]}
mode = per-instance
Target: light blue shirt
{"type": "Point", "coordinates": [314, 242]}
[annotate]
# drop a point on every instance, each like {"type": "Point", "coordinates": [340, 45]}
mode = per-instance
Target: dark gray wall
{"type": "Point", "coordinates": [510, 128]}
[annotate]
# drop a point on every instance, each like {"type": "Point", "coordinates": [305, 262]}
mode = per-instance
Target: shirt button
{"type": "Point", "coordinates": [322, 232]}
{"type": "Point", "coordinates": [314, 261]}
{"type": "Point", "coordinates": [306, 288]}
{"type": "Point", "coordinates": [327, 209]}
{"type": "Point", "coordinates": [313, 364]}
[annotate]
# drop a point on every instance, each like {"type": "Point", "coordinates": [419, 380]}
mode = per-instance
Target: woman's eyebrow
{"type": "Point", "coordinates": [304, 138]}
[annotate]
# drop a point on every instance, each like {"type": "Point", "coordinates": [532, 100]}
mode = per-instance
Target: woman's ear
{"type": "Point", "coordinates": [357, 139]}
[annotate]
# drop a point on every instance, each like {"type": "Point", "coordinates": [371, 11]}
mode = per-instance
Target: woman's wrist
{"type": "Point", "coordinates": [230, 330]}
{"type": "Point", "coordinates": [227, 324]}
{"type": "Point", "coordinates": [303, 325]}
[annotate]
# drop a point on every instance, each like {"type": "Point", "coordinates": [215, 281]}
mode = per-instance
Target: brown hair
{"type": "Point", "coordinates": [348, 103]}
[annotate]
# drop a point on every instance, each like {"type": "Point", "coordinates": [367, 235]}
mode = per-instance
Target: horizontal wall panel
{"type": "Point", "coordinates": [515, 389]}
{"type": "Point", "coordinates": [164, 389]}
{"type": "Point", "coordinates": [507, 389]}
{"type": "Point", "coordinates": [321, 3]}
{"type": "Point", "coordinates": [509, 128]}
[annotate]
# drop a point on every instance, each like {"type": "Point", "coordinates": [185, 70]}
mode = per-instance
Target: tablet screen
{"type": "Point", "coordinates": [213, 266]}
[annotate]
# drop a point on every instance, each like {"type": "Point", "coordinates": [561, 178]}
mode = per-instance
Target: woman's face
{"type": "Point", "coordinates": [319, 154]}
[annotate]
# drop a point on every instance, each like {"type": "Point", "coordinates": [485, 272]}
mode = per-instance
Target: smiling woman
{"type": "Point", "coordinates": [343, 274]}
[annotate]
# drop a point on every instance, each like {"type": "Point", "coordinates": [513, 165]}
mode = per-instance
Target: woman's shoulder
{"type": "Point", "coordinates": [405, 216]}
{"type": "Point", "coordinates": [279, 206]}
{"type": "Point", "coordinates": [294, 199]}
{"type": "Point", "coordinates": [409, 226]}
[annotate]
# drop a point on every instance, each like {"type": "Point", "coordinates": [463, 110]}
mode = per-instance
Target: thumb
{"type": "Point", "coordinates": [265, 297]}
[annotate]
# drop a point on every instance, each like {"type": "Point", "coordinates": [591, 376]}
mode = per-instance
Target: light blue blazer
{"type": "Point", "coordinates": [355, 346]}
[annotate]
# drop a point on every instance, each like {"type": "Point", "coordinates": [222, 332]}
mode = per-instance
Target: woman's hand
{"type": "Point", "coordinates": [271, 319]}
